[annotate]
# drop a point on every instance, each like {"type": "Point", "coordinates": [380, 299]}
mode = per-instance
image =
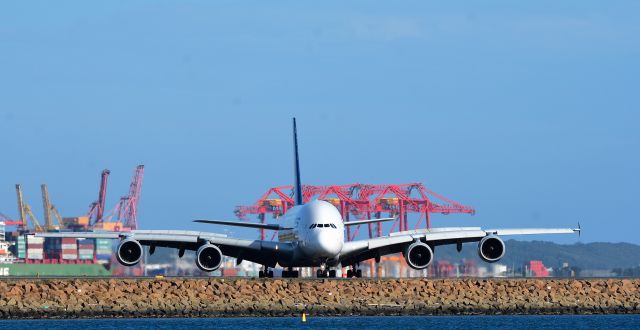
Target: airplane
{"type": "Point", "coordinates": [309, 235]}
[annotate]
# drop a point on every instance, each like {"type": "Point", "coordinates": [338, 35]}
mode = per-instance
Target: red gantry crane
{"type": "Point", "coordinates": [361, 201]}
{"type": "Point", "coordinates": [124, 216]}
{"type": "Point", "coordinates": [96, 210]}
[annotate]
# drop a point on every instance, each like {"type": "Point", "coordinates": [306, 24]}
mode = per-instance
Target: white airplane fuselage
{"type": "Point", "coordinates": [317, 232]}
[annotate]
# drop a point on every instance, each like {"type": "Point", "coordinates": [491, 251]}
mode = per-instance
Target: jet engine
{"type": "Point", "coordinates": [129, 252]}
{"type": "Point", "coordinates": [491, 248]}
{"type": "Point", "coordinates": [418, 255]}
{"type": "Point", "coordinates": [208, 258]}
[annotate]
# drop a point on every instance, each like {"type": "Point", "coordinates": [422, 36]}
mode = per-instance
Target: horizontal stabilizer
{"type": "Point", "coordinates": [243, 224]}
{"type": "Point", "coordinates": [360, 222]}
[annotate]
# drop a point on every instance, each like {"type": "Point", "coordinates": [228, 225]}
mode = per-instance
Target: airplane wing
{"type": "Point", "coordinates": [360, 222]}
{"type": "Point", "coordinates": [259, 251]}
{"type": "Point", "coordinates": [360, 250]}
{"type": "Point", "coordinates": [243, 224]}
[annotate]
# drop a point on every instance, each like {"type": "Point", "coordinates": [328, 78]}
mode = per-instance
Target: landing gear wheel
{"type": "Point", "coordinates": [265, 273]}
{"type": "Point", "coordinates": [332, 273]}
{"type": "Point", "coordinates": [349, 273]}
{"type": "Point", "coordinates": [290, 273]}
{"type": "Point", "coordinates": [359, 273]}
{"type": "Point", "coordinates": [322, 273]}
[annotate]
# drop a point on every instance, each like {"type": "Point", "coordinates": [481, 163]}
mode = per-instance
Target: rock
{"type": "Point", "coordinates": [212, 297]}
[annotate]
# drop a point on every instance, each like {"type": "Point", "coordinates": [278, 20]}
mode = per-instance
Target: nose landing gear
{"type": "Point", "coordinates": [353, 272]}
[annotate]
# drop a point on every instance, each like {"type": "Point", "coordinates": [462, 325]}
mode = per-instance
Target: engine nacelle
{"type": "Point", "coordinates": [208, 258]}
{"type": "Point", "coordinates": [418, 255]}
{"type": "Point", "coordinates": [491, 248]}
{"type": "Point", "coordinates": [129, 252]}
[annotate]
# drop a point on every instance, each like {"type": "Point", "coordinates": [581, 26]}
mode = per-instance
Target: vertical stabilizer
{"type": "Point", "coordinates": [297, 187]}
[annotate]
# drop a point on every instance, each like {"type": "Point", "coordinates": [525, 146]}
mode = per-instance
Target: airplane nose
{"type": "Point", "coordinates": [327, 244]}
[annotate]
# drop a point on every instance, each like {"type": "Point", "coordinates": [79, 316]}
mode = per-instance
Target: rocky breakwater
{"type": "Point", "coordinates": [57, 298]}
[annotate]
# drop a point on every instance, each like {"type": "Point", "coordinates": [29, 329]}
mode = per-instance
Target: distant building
{"type": "Point", "coordinates": [535, 268]}
{"type": "Point", "coordinates": [498, 270]}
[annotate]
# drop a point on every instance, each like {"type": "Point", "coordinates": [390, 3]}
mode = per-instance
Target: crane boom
{"type": "Point", "coordinates": [21, 212]}
{"type": "Point", "coordinates": [46, 207]}
{"type": "Point", "coordinates": [34, 220]}
{"type": "Point", "coordinates": [102, 196]}
{"type": "Point", "coordinates": [55, 212]}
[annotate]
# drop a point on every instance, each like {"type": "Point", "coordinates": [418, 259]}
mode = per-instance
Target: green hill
{"type": "Point", "coordinates": [584, 256]}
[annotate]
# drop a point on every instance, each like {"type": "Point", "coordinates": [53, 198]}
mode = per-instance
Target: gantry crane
{"type": "Point", "coordinates": [47, 207]}
{"type": "Point", "coordinates": [21, 213]}
{"type": "Point", "coordinates": [24, 210]}
{"type": "Point", "coordinates": [96, 210]}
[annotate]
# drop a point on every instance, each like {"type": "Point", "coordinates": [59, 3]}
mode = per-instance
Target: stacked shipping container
{"type": "Point", "coordinates": [103, 250]}
{"type": "Point", "coordinates": [69, 248]}
{"type": "Point", "coordinates": [86, 249]}
{"type": "Point", "coordinates": [52, 248]}
{"type": "Point", "coordinates": [22, 247]}
{"type": "Point", "coordinates": [34, 247]}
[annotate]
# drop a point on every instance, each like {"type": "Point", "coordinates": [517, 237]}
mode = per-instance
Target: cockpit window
{"type": "Point", "coordinates": [322, 225]}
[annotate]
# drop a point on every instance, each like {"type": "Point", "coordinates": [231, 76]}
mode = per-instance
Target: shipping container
{"type": "Point", "coordinates": [86, 242]}
{"type": "Point", "coordinates": [85, 256]}
{"type": "Point", "coordinates": [35, 254]}
{"type": "Point", "coordinates": [22, 247]}
{"type": "Point", "coordinates": [104, 242]}
{"type": "Point", "coordinates": [104, 248]}
{"type": "Point", "coordinates": [34, 240]}
{"type": "Point", "coordinates": [75, 221]}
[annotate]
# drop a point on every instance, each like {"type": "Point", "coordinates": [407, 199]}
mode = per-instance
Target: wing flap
{"type": "Point", "coordinates": [242, 224]}
{"type": "Point", "coordinates": [112, 235]}
{"type": "Point", "coordinates": [360, 222]}
{"type": "Point", "coordinates": [532, 231]}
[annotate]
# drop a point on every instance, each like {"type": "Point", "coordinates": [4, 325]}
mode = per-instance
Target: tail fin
{"type": "Point", "coordinates": [297, 188]}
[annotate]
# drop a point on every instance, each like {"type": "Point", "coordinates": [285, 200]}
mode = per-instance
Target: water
{"type": "Point", "coordinates": [350, 323]}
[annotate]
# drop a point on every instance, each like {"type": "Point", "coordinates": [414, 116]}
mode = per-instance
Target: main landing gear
{"type": "Point", "coordinates": [324, 272]}
{"type": "Point", "coordinates": [290, 273]}
{"type": "Point", "coordinates": [265, 273]}
{"type": "Point", "coordinates": [353, 272]}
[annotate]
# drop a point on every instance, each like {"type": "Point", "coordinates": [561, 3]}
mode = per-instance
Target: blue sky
{"type": "Point", "coordinates": [526, 111]}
